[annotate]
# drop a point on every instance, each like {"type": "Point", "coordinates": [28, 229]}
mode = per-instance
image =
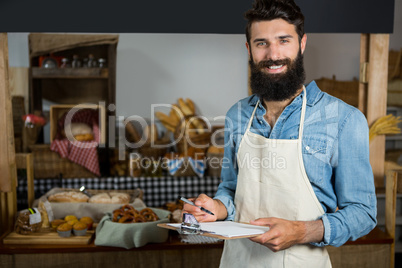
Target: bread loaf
{"type": "Point", "coordinates": [69, 197]}
{"type": "Point", "coordinates": [102, 198]}
{"type": "Point", "coordinates": [120, 198]}
{"type": "Point", "coordinates": [111, 198]}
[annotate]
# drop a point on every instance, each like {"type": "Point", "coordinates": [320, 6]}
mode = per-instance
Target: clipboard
{"type": "Point", "coordinates": [223, 229]}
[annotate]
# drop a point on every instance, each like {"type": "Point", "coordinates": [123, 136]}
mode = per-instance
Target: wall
{"type": "Point", "coordinates": [210, 69]}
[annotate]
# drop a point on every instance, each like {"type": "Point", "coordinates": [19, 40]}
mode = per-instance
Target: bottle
{"type": "Point", "coordinates": [65, 63]}
{"type": "Point", "coordinates": [91, 61]}
{"type": "Point", "coordinates": [76, 63]}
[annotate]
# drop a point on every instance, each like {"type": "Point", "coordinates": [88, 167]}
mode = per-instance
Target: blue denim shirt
{"type": "Point", "coordinates": [335, 154]}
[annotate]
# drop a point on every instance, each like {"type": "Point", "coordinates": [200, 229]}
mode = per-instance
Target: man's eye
{"type": "Point", "coordinates": [261, 44]}
{"type": "Point", "coordinates": [284, 41]}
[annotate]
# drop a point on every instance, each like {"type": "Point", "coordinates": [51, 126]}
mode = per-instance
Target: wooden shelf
{"type": "Point", "coordinates": [70, 73]}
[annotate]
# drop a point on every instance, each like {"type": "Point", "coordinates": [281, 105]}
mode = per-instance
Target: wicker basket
{"type": "Point", "coordinates": [49, 164]}
{"type": "Point", "coordinates": [155, 151]}
{"type": "Point", "coordinates": [348, 91]}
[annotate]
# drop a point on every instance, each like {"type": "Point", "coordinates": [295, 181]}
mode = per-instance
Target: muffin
{"type": "Point", "coordinates": [56, 223]}
{"type": "Point", "coordinates": [64, 230]}
{"type": "Point", "coordinates": [80, 228]}
{"type": "Point", "coordinates": [70, 217]}
{"type": "Point", "coordinates": [88, 221]}
{"type": "Point", "coordinates": [72, 222]}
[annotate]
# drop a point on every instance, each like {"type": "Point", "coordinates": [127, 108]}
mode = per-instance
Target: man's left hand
{"type": "Point", "coordinates": [284, 233]}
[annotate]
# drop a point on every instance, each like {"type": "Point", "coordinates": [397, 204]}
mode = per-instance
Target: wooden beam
{"type": "Point", "coordinates": [8, 171]}
{"type": "Point", "coordinates": [5, 101]}
{"type": "Point", "coordinates": [377, 99]}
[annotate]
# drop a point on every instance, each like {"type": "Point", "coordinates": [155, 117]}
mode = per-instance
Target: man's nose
{"type": "Point", "coordinates": [273, 52]}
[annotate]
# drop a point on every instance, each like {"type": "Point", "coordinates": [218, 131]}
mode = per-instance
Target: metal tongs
{"type": "Point", "coordinates": [83, 190]}
{"type": "Point", "coordinates": [190, 225]}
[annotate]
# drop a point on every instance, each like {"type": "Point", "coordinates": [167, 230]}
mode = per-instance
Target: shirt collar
{"type": "Point", "coordinates": [313, 95]}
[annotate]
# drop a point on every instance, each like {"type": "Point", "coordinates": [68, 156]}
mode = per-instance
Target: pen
{"type": "Point", "coordinates": [191, 203]}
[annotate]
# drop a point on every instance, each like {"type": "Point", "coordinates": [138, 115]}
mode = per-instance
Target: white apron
{"type": "Point", "coordinates": [272, 182]}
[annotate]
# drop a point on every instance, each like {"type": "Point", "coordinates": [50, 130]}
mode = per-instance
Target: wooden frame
{"type": "Point", "coordinates": [374, 50]}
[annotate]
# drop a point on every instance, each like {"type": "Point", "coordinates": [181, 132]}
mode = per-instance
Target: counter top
{"type": "Point", "coordinates": [377, 236]}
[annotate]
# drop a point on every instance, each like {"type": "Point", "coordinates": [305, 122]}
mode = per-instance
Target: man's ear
{"type": "Point", "coordinates": [248, 49]}
{"type": "Point", "coordinates": [303, 43]}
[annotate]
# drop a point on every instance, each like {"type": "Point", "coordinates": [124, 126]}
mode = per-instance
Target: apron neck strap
{"type": "Point", "coordinates": [303, 113]}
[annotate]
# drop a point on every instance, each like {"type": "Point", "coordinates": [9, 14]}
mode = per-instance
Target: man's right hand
{"type": "Point", "coordinates": [213, 205]}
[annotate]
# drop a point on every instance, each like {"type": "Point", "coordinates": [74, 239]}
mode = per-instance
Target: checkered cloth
{"type": "Point", "coordinates": [83, 153]}
{"type": "Point", "coordinates": [157, 190]}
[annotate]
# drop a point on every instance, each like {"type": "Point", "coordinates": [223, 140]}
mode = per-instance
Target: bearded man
{"type": "Point", "coordinates": [297, 159]}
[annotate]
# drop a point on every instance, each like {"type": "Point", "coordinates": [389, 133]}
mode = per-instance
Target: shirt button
{"type": "Point", "coordinates": [307, 148]}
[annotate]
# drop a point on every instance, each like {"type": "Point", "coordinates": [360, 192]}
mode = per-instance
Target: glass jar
{"type": "Point", "coordinates": [102, 63]}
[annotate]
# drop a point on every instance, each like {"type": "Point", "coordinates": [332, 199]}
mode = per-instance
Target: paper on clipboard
{"type": "Point", "coordinates": [224, 229]}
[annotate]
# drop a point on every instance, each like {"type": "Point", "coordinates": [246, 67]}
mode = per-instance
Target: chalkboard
{"type": "Point", "coordinates": [180, 16]}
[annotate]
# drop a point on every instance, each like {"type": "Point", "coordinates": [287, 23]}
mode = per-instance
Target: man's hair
{"type": "Point", "coordinates": [265, 10]}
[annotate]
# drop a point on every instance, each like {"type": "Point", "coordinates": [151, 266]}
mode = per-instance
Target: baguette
{"type": "Point", "coordinates": [68, 197]}
{"type": "Point", "coordinates": [185, 108]}
{"type": "Point", "coordinates": [191, 105]}
{"type": "Point", "coordinates": [166, 121]}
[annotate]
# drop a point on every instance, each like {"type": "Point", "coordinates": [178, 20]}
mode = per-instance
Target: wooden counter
{"type": "Point", "coordinates": [367, 251]}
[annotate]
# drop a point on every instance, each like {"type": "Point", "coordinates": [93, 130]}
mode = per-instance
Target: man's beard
{"type": "Point", "coordinates": [277, 87]}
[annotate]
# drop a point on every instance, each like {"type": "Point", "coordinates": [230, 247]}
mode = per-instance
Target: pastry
{"type": "Point", "coordinates": [70, 217]}
{"type": "Point", "coordinates": [64, 230]}
{"type": "Point", "coordinates": [71, 197]}
{"type": "Point", "coordinates": [128, 214]}
{"type": "Point", "coordinates": [72, 222]}
{"type": "Point", "coordinates": [80, 228]}
{"type": "Point", "coordinates": [88, 221]}
{"type": "Point", "coordinates": [57, 222]}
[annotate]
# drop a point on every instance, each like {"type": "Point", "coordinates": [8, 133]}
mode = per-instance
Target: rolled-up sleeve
{"type": "Point", "coordinates": [227, 188]}
{"type": "Point", "coordinates": [353, 183]}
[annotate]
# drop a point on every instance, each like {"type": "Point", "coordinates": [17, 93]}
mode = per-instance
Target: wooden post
{"type": "Point", "coordinates": [25, 161]}
{"type": "Point", "coordinates": [8, 171]}
{"type": "Point", "coordinates": [364, 58]}
{"type": "Point", "coordinates": [377, 99]}
{"type": "Point", "coordinates": [390, 209]}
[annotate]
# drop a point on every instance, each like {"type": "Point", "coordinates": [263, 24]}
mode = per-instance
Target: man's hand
{"type": "Point", "coordinates": [284, 234]}
{"type": "Point", "coordinates": [213, 205]}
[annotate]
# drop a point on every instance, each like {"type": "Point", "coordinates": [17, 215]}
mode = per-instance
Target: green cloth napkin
{"type": "Point", "coordinates": [129, 235]}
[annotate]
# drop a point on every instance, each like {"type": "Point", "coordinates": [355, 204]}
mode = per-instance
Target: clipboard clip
{"type": "Point", "coordinates": [190, 225]}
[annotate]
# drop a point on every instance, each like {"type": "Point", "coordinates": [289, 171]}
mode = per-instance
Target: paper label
{"type": "Point", "coordinates": [35, 216]}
